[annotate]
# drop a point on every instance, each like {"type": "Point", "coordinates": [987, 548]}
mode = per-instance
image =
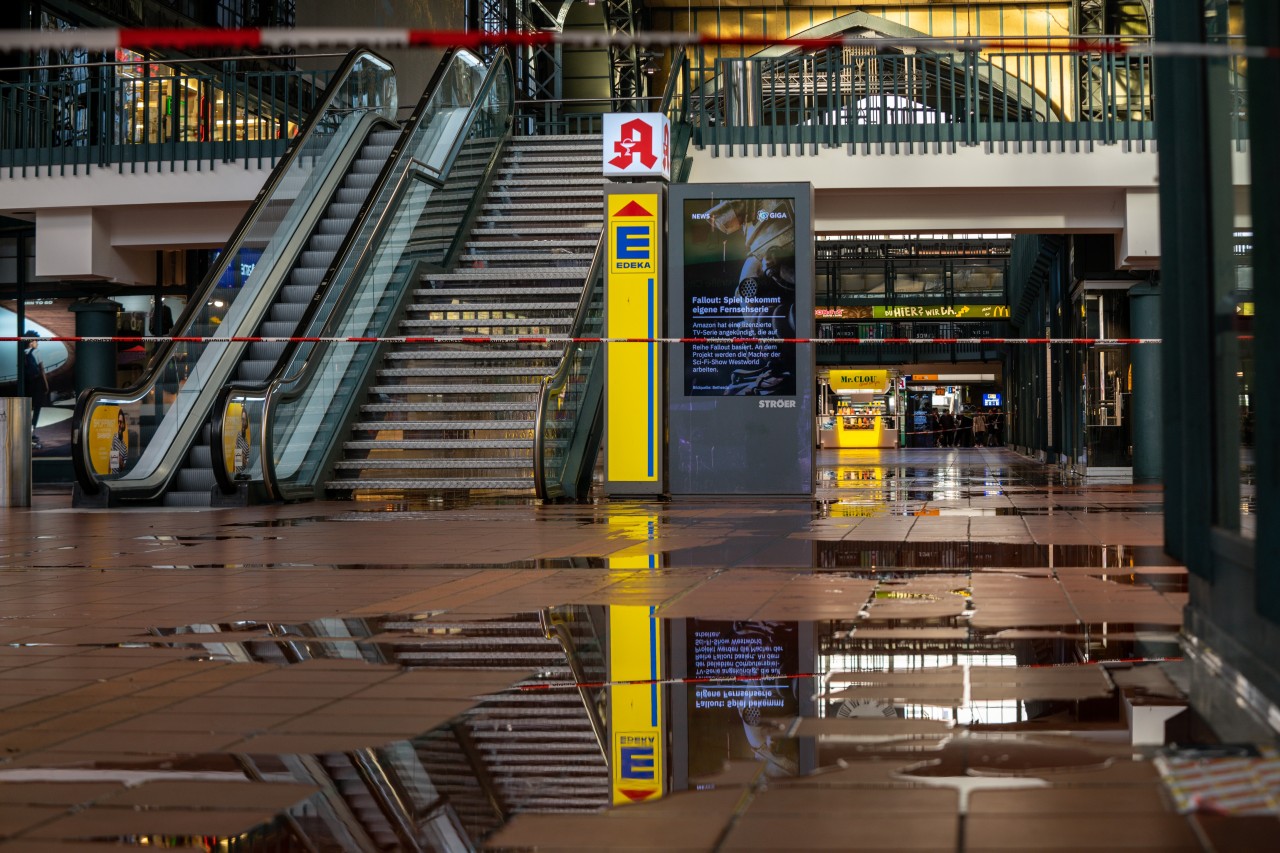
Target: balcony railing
{"type": "Point", "coordinates": [142, 116]}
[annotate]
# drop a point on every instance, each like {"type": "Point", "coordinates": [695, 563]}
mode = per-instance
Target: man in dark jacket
{"type": "Point", "coordinates": [36, 381]}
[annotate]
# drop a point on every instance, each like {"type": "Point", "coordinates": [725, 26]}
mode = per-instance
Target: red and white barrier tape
{"type": "Point", "coordinates": [389, 37]}
{"type": "Point", "coordinates": [749, 679]}
{"type": "Point", "coordinates": [554, 339]}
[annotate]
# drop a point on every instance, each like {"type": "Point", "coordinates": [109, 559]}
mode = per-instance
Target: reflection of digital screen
{"type": "Point", "coordinates": [240, 268]}
{"type": "Point", "coordinates": [991, 399]}
{"type": "Point", "coordinates": [740, 283]}
{"type": "Point", "coordinates": [742, 720]}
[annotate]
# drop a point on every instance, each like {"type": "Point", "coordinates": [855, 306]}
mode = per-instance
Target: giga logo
{"type": "Point", "coordinates": [777, 404]}
{"type": "Point", "coordinates": [770, 214]}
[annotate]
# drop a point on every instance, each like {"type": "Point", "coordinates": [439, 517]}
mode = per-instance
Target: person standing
{"type": "Point", "coordinates": [36, 381]}
{"type": "Point", "coordinates": [948, 429]}
{"type": "Point", "coordinates": [979, 429]}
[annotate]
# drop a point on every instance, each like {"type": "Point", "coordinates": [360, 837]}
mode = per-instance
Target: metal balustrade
{"type": "Point", "coordinates": [923, 102]}
{"type": "Point", "coordinates": [143, 116]}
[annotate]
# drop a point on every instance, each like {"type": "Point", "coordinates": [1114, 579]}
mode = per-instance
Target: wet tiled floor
{"type": "Point", "coordinates": [945, 650]}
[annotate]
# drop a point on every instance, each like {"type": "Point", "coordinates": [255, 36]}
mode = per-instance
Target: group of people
{"type": "Point", "coordinates": [979, 428]}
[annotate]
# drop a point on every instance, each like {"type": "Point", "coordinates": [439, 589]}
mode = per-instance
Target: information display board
{"type": "Point", "coordinates": [741, 395]}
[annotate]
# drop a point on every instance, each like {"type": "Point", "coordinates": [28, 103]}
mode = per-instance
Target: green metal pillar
{"type": "Point", "coordinates": [1146, 414]}
{"type": "Point", "coordinates": [1262, 28]}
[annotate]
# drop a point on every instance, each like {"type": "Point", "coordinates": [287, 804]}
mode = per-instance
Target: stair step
{"type": "Point", "coordinates": [442, 444]}
{"type": "Point", "coordinates": [438, 371]}
{"type": "Point", "coordinates": [542, 290]}
{"type": "Point", "coordinates": [552, 254]}
{"type": "Point", "coordinates": [470, 307]}
{"type": "Point", "coordinates": [550, 204]}
{"type": "Point", "coordinates": [511, 274]}
{"type": "Point", "coordinates": [490, 353]}
{"type": "Point", "coordinates": [482, 245]}
{"type": "Point", "coordinates": [525, 323]}
{"type": "Point", "coordinates": [436, 426]}
{"type": "Point", "coordinates": [432, 484]}
{"type": "Point", "coordinates": [431, 464]}
{"type": "Point", "coordinates": [449, 406]}
{"type": "Point", "coordinates": [460, 388]}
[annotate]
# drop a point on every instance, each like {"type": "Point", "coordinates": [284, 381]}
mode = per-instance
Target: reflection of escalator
{"type": "Point", "coordinates": [193, 483]}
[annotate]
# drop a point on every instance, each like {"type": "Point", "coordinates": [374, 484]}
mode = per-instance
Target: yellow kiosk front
{"type": "Point", "coordinates": [862, 416]}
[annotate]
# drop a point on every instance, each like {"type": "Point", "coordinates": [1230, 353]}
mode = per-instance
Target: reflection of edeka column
{"type": "Point", "coordinates": [740, 280]}
{"type": "Point", "coordinates": [638, 741]}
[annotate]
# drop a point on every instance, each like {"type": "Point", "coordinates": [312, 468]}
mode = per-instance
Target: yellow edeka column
{"type": "Point", "coordinates": [634, 399]}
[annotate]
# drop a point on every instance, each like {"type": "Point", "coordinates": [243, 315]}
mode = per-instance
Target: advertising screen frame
{"type": "Point", "coordinates": [740, 266]}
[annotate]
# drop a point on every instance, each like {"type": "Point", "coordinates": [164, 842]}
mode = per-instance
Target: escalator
{"type": "Point", "coordinates": [193, 484]}
{"type": "Point", "coordinates": [449, 388]}
{"type": "Point", "coordinates": [155, 443]}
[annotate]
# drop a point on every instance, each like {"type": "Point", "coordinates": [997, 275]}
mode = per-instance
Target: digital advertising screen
{"type": "Point", "coordinates": [991, 400]}
{"type": "Point", "coordinates": [740, 283]}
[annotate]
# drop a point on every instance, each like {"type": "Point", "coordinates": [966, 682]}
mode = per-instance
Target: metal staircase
{"type": "Point", "coordinates": [193, 483]}
{"type": "Point", "coordinates": [460, 415]}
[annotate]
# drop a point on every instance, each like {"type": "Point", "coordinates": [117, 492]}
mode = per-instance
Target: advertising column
{"type": "Point", "coordinates": [741, 389]}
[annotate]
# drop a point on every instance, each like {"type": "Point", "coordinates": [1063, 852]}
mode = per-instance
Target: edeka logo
{"type": "Point", "coordinates": [637, 766]}
{"type": "Point", "coordinates": [633, 248]}
{"type": "Point", "coordinates": [635, 142]}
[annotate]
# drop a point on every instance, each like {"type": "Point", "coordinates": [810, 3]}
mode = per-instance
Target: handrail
{"type": "Point", "coordinates": [81, 465]}
{"type": "Point", "coordinates": [268, 386]}
{"type": "Point", "coordinates": [555, 384]}
{"type": "Point", "coordinates": [220, 474]}
{"type": "Point", "coordinates": [299, 379]}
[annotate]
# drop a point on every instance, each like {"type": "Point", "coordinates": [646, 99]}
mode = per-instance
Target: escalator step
{"type": "Point", "coordinates": [265, 352]}
{"type": "Point", "coordinates": [277, 329]}
{"type": "Point", "coordinates": [255, 371]}
{"type": "Point", "coordinates": [178, 498]}
{"type": "Point", "coordinates": [290, 312]}
{"type": "Point", "coordinates": [194, 480]}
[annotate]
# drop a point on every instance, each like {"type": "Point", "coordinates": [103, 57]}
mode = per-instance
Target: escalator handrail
{"type": "Point", "coordinates": [266, 387]}
{"type": "Point", "coordinates": [272, 386]}
{"type": "Point", "coordinates": [554, 384]}
{"type": "Point", "coordinates": [220, 474]}
{"type": "Point", "coordinates": [79, 463]}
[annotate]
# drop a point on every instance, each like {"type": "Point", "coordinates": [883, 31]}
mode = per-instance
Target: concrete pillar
{"type": "Point", "coordinates": [95, 361]}
{"type": "Point", "coordinates": [1146, 412]}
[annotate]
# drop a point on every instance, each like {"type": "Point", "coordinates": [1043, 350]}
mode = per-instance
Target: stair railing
{"type": "Point", "coordinates": [131, 440]}
{"type": "Point", "coordinates": [566, 432]}
{"type": "Point", "coordinates": [313, 395]}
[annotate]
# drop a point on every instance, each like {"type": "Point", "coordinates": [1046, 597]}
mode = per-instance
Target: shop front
{"type": "Point", "coordinates": [858, 408]}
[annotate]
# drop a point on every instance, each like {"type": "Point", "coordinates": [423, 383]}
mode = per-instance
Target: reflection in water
{"type": "Point", "coordinates": [537, 712]}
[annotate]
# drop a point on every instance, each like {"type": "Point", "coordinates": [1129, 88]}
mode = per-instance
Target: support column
{"type": "Point", "coordinates": [95, 360]}
{"type": "Point", "coordinates": [1146, 413]}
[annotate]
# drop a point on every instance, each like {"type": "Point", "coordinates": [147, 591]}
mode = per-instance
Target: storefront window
{"type": "Point", "coordinates": [161, 103]}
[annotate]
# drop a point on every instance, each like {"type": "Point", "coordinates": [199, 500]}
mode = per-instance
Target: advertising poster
{"type": "Point", "coordinates": [740, 282]}
{"type": "Point", "coordinates": [48, 367]}
{"type": "Point", "coordinates": [108, 438]}
{"type": "Point", "coordinates": [236, 438]}
{"type": "Point", "coordinates": [748, 720]}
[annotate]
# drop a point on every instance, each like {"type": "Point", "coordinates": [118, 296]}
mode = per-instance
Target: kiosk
{"type": "Point", "coordinates": [863, 414]}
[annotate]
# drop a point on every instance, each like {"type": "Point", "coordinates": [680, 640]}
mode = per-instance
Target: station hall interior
{"type": "Point", "coordinates": [639, 425]}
